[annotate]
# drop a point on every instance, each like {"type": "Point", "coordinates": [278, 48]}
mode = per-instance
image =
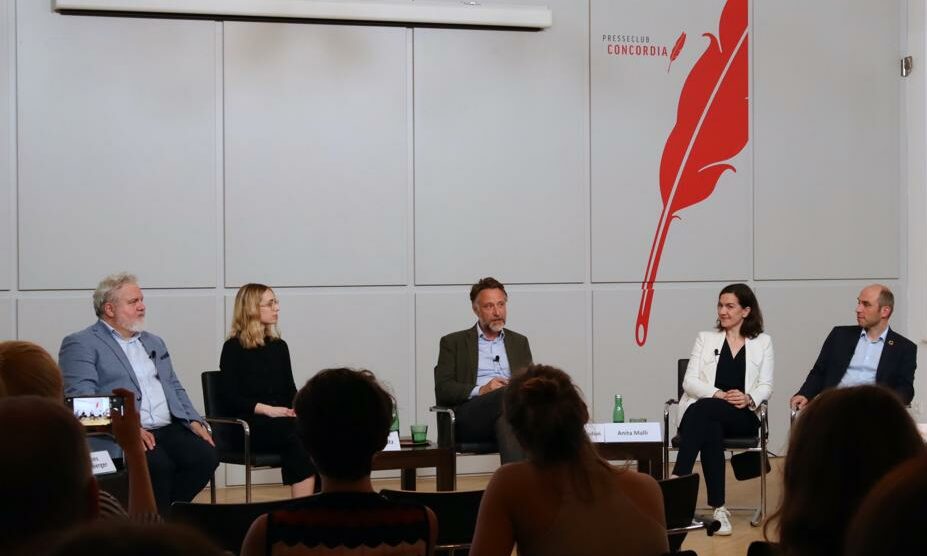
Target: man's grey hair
{"type": "Point", "coordinates": [107, 286]}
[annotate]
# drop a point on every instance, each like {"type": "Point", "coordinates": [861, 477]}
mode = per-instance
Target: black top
{"type": "Point", "coordinates": [731, 372]}
{"type": "Point", "coordinates": [258, 375]}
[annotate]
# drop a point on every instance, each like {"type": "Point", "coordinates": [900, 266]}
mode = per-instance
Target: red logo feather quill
{"type": "Point", "coordinates": [677, 48]}
{"type": "Point", "coordinates": [712, 126]}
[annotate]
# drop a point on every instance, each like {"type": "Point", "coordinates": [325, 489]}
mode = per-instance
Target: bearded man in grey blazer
{"type": "Point", "coordinates": [116, 352]}
{"type": "Point", "coordinates": [474, 366]}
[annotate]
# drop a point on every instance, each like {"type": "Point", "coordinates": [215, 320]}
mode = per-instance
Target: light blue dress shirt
{"type": "Point", "coordinates": [153, 408]}
{"type": "Point", "coordinates": [865, 362]}
{"type": "Point", "coordinates": [492, 361]}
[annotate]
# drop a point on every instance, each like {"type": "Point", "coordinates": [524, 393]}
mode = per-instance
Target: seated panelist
{"type": "Point", "coordinates": [730, 373]}
{"type": "Point", "coordinates": [116, 352]}
{"type": "Point", "coordinates": [868, 353]}
{"type": "Point", "coordinates": [475, 364]}
{"type": "Point", "coordinates": [258, 383]}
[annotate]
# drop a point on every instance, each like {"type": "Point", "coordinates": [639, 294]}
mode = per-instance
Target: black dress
{"type": "Point", "coordinates": [263, 375]}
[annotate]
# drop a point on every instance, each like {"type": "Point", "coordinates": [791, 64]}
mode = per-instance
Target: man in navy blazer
{"type": "Point", "coordinates": [116, 352]}
{"type": "Point", "coordinates": [870, 353]}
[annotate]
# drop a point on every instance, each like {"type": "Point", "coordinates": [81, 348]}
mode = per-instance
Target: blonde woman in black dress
{"type": "Point", "coordinates": [258, 383]}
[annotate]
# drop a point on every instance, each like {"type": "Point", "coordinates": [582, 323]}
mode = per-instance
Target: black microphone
{"type": "Point", "coordinates": [716, 353]}
{"type": "Point", "coordinates": [495, 359]}
{"type": "Point", "coordinates": [152, 355]}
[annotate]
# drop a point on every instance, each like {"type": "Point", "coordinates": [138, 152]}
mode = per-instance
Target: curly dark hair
{"type": "Point", "coordinates": [547, 414]}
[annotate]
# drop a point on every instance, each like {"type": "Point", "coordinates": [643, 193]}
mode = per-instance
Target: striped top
{"type": "Point", "coordinates": [348, 523]}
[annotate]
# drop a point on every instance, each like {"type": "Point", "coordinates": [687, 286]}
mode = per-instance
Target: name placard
{"type": "Point", "coordinates": [625, 432]}
{"type": "Point", "coordinates": [101, 463]}
{"type": "Point", "coordinates": [392, 442]}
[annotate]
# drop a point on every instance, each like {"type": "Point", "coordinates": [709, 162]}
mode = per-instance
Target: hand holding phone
{"type": "Point", "coordinates": [127, 425]}
{"type": "Point", "coordinates": [95, 412]}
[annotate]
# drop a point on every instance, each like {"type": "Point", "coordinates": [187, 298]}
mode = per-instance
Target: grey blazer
{"type": "Point", "coordinates": [93, 363]}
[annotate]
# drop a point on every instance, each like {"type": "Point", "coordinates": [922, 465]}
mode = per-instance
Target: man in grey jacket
{"type": "Point", "coordinates": [115, 352]}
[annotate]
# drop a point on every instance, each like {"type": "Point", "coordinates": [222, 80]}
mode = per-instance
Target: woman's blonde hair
{"type": "Point", "coordinates": [246, 317]}
{"type": "Point", "coordinates": [26, 369]}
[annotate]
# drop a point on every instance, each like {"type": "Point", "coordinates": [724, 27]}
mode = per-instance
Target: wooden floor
{"type": "Point", "coordinates": [739, 493]}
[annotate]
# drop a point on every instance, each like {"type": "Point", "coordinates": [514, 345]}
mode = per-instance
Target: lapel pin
{"type": "Point", "coordinates": [891, 342]}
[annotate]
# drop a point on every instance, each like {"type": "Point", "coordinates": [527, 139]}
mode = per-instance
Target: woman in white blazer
{"type": "Point", "coordinates": [730, 372]}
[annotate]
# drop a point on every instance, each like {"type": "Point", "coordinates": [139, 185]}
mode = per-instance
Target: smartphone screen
{"type": "Point", "coordinates": [94, 411]}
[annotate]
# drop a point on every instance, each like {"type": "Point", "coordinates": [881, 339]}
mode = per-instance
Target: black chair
{"type": "Point", "coordinates": [232, 436]}
{"type": "Point", "coordinates": [756, 443]}
{"type": "Point", "coordinates": [456, 512]}
{"type": "Point", "coordinates": [446, 437]}
{"type": "Point", "coordinates": [225, 524]}
{"type": "Point", "coordinates": [679, 498]}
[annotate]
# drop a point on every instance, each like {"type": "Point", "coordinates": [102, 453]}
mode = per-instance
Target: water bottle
{"type": "Point", "coordinates": [618, 412]}
{"type": "Point", "coordinates": [394, 426]}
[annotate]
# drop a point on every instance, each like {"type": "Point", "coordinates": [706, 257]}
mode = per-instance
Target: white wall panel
{"type": "Point", "coordinates": [645, 376]}
{"type": "Point", "coordinates": [555, 323]}
{"type": "Point", "coordinates": [501, 135]}
{"type": "Point", "coordinates": [6, 319]}
{"type": "Point", "coordinates": [117, 149]}
{"type": "Point", "coordinates": [317, 170]}
{"type": "Point", "coordinates": [7, 140]}
{"type": "Point", "coordinates": [827, 116]}
{"type": "Point", "coordinates": [186, 322]}
{"type": "Point", "coordinates": [634, 103]}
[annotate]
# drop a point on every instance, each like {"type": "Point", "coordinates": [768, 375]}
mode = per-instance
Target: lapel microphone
{"type": "Point", "coordinates": [716, 352]}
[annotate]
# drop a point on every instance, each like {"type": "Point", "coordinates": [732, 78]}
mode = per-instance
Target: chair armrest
{"type": "Point", "coordinates": [763, 410]}
{"type": "Point", "coordinates": [446, 420]}
{"type": "Point", "coordinates": [245, 429]}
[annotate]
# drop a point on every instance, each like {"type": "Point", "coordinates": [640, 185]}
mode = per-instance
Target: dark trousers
{"type": "Point", "coordinates": [480, 419]}
{"type": "Point", "coordinates": [180, 464]}
{"type": "Point", "coordinates": [703, 428]}
{"type": "Point", "coordinates": [278, 434]}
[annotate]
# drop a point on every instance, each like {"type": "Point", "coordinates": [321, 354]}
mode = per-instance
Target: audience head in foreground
{"type": "Point", "coordinates": [343, 418]}
{"type": "Point", "coordinates": [45, 478]}
{"type": "Point", "coordinates": [133, 539]}
{"type": "Point", "coordinates": [26, 369]}
{"type": "Point", "coordinates": [844, 442]}
{"type": "Point", "coordinates": [564, 499]}
{"type": "Point", "coordinates": [891, 517]}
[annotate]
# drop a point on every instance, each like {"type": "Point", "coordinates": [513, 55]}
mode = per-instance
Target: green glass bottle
{"type": "Point", "coordinates": [618, 412]}
{"type": "Point", "coordinates": [394, 426]}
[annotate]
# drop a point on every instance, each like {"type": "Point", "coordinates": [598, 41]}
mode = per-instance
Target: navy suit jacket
{"type": "Point", "coordinates": [895, 370]}
{"type": "Point", "coordinates": [92, 362]}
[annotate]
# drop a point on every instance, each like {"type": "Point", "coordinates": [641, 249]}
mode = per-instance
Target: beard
{"type": "Point", "coordinates": [137, 325]}
{"type": "Point", "coordinates": [496, 326]}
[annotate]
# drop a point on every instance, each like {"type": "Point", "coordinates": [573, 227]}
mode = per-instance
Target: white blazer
{"type": "Point", "coordinates": [699, 381]}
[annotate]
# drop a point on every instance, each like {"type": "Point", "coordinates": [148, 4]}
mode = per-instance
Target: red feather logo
{"type": "Point", "coordinates": [712, 126]}
{"type": "Point", "coordinates": [677, 48]}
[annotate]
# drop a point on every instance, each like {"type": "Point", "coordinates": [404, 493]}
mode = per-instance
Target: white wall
{"type": "Point", "coordinates": [371, 174]}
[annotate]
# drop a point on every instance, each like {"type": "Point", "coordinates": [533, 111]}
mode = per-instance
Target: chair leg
{"type": "Point", "coordinates": [248, 482]}
{"type": "Point", "coordinates": [212, 488]}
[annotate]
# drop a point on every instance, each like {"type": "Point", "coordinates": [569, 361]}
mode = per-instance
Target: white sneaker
{"type": "Point", "coordinates": [723, 516]}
